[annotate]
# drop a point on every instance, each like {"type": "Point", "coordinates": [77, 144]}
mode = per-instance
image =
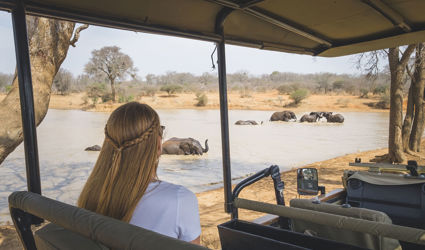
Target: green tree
{"type": "Point", "coordinates": [298, 95]}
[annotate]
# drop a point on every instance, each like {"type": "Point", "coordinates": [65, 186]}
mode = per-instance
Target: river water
{"type": "Point", "coordinates": [65, 166]}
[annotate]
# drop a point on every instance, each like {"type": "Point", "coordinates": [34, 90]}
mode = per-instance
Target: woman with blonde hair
{"type": "Point", "coordinates": [124, 184]}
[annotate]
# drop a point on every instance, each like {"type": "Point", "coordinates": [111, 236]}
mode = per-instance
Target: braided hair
{"type": "Point", "coordinates": [127, 162]}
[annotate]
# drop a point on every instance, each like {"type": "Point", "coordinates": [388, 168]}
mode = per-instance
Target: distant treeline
{"type": "Point", "coordinates": [172, 82]}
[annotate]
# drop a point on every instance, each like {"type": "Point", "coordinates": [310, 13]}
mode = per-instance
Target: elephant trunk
{"type": "Point", "coordinates": [206, 146]}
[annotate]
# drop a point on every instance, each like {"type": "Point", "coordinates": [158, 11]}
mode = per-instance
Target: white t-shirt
{"type": "Point", "coordinates": [168, 209]}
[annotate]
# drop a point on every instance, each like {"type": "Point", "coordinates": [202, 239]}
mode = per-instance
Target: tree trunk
{"type": "Point", "coordinates": [418, 94]}
{"type": "Point", "coordinates": [407, 124]}
{"type": "Point", "coordinates": [48, 46]}
{"type": "Point", "coordinates": [114, 99]}
{"type": "Point", "coordinates": [397, 68]}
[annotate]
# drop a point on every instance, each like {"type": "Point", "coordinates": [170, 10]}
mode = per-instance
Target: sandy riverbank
{"type": "Point", "coordinates": [257, 101]}
{"type": "Point", "coordinates": [211, 202]}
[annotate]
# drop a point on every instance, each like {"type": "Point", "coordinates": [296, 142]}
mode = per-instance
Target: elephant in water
{"type": "Point", "coordinates": [312, 117]}
{"type": "Point", "coordinates": [285, 116]}
{"type": "Point", "coordinates": [337, 118]}
{"type": "Point", "coordinates": [93, 148]}
{"type": "Point", "coordinates": [184, 146]}
{"type": "Point", "coordinates": [321, 114]}
{"type": "Point", "coordinates": [248, 122]}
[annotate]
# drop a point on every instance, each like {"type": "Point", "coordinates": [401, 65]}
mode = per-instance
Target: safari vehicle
{"type": "Point", "coordinates": [315, 27]}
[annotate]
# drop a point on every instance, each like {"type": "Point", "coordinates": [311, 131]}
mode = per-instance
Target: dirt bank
{"type": "Point", "coordinates": [255, 101]}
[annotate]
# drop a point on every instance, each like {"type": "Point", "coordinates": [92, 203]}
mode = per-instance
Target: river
{"type": "Point", "coordinates": [65, 166]}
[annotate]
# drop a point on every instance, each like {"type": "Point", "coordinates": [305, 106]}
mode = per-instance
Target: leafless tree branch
{"type": "Point", "coordinates": [74, 40]}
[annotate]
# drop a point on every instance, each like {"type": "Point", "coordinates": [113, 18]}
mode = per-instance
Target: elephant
{"type": "Point", "coordinates": [184, 146]}
{"type": "Point", "coordinates": [337, 118]}
{"type": "Point", "coordinates": [285, 116]}
{"type": "Point", "coordinates": [321, 114]}
{"type": "Point", "coordinates": [247, 122]}
{"type": "Point", "coordinates": [93, 148]}
{"type": "Point", "coordinates": [312, 117]}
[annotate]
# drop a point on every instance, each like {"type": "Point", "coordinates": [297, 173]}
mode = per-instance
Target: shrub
{"type": "Point", "coordinates": [384, 101]}
{"type": "Point", "coordinates": [338, 85]}
{"type": "Point", "coordinates": [284, 89]}
{"type": "Point", "coordinates": [298, 95]}
{"type": "Point", "coordinates": [245, 92]}
{"type": "Point", "coordinates": [96, 91]}
{"type": "Point", "coordinates": [288, 88]}
{"type": "Point", "coordinates": [106, 97]}
{"type": "Point", "coordinates": [202, 99]}
{"type": "Point", "coordinates": [125, 99]}
{"type": "Point", "coordinates": [171, 89]}
{"type": "Point", "coordinates": [364, 93]}
{"type": "Point", "coordinates": [149, 91]}
{"type": "Point", "coordinates": [379, 90]}
{"type": "Point", "coordinates": [8, 88]}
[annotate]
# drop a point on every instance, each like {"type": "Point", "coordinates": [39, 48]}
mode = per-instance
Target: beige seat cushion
{"type": "Point", "coordinates": [349, 237]}
{"type": "Point", "coordinates": [55, 237]}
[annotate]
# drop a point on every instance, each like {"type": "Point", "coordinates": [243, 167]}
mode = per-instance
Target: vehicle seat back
{"type": "Point", "coordinates": [77, 228]}
{"type": "Point", "coordinates": [353, 238]}
{"type": "Point", "coordinates": [53, 237]}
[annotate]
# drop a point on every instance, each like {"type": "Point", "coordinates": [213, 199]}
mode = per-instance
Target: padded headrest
{"type": "Point", "coordinates": [353, 238]}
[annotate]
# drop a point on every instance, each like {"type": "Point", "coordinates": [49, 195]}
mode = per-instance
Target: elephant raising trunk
{"type": "Point", "coordinates": [204, 150]}
{"type": "Point", "coordinates": [184, 146]}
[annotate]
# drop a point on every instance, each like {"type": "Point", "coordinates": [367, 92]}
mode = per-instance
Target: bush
{"type": "Point", "coordinates": [8, 88]}
{"type": "Point", "coordinates": [125, 99]}
{"type": "Point", "coordinates": [283, 89]}
{"type": "Point", "coordinates": [384, 101]}
{"type": "Point", "coordinates": [379, 90]}
{"type": "Point", "coordinates": [288, 88]}
{"type": "Point", "coordinates": [96, 91]}
{"type": "Point", "coordinates": [364, 93]}
{"type": "Point", "coordinates": [298, 95]}
{"type": "Point", "coordinates": [338, 85]}
{"type": "Point", "coordinates": [171, 89]}
{"type": "Point", "coordinates": [245, 92]}
{"type": "Point", "coordinates": [202, 99]}
{"type": "Point", "coordinates": [149, 91]}
{"type": "Point", "coordinates": [106, 97]}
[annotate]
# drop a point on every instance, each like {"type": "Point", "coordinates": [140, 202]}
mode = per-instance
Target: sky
{"type": "Point", "coordinates": [158, 54]}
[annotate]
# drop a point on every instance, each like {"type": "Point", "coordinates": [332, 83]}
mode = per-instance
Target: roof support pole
{"type": "Point", "coordinates": [26, 97]}
{"type": "Point", "coordinates": [224, 117]}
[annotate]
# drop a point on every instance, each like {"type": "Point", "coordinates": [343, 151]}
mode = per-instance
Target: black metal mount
{"type": "Point", "coordinates": [22, 222]}
{"type": "Point", "coordinates": [279, 186]}
{"type": "Point", "coordinates": [412, 166]}
{"type": "Point", "coordinates": [322, 189]}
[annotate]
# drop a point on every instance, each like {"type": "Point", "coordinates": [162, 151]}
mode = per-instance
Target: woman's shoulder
{"type": "Point", "coordinates": [170, 189]}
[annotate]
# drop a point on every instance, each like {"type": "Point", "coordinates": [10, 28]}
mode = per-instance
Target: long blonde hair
{"type": "Point", "coordinates": [126, 164]}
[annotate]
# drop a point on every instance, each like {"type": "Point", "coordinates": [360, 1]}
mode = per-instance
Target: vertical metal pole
{"type": "Point", "coordinates": [26, 97]}
{"type": "Point", "coordinates": [224, 115]}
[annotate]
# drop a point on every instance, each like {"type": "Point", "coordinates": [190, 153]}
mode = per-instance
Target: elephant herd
{"type": "Point", "coordinates": [190, 146]}
{"type": "Point", "coordinates": [287, 116]}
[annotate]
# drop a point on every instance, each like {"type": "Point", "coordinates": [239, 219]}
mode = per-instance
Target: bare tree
{"type": "Point", "coordinates": [397, 69]}
{"type": "Point", "coordinates": [63, 81]}
{"type": "Point", "coordinates": [49, 41]}
{"type": "Point", "coordinates": [111, 63]}
{"type": "Point", "coordinates": [418, 84]}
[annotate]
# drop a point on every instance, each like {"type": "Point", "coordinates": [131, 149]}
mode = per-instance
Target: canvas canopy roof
{"type": "Point", "coordinates": [316, 27]}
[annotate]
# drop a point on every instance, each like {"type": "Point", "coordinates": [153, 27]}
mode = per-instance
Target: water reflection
{"type": "Point", "coordinates": [65, 165]}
